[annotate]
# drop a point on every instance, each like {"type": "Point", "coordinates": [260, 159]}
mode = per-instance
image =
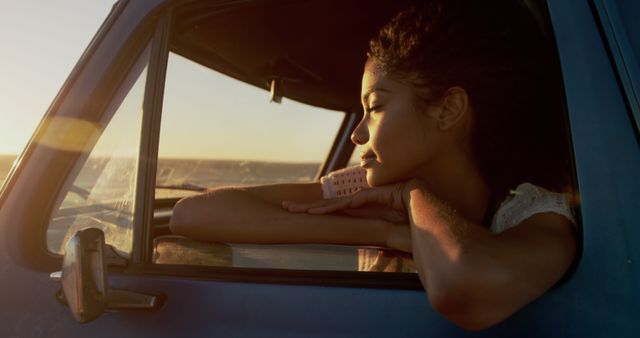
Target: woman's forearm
{"type": "Point", "coordinates": [237, 216]}
{"type": "Point", "coordinates": [450, 256]}
{"type": "Point", "coordinates": [439, 233]}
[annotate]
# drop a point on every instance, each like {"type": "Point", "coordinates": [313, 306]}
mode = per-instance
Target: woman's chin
{"type": "Point", "coordinates": [371, 180]}
{"type": "Point", "coordinates": [375, 178]}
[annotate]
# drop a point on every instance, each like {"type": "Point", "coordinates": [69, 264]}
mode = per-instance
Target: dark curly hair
{"type": "Point", "coordinates": [498, 53]}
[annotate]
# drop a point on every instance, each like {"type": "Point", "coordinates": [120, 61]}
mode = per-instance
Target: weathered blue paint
{"type": "Point", "coordinates": [602, 297]}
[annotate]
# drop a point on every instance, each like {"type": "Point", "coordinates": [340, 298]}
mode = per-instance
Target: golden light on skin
{"type": "Point", "coordinates": [68, 134]}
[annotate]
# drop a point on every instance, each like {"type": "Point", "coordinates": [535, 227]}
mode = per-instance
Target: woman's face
{"type": "Point", "coordinates": [398, 141]}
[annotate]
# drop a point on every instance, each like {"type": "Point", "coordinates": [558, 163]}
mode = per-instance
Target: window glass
{"type": "Point", "coordinates": [219, 131]}
{"type": "Point", "coordinates": [102, 192]}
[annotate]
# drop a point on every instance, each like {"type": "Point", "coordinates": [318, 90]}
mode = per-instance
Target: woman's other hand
{"type": "Point", "coordinates": [385, 202]}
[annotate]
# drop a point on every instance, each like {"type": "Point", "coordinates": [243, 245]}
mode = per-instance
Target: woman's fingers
{"type": "Point", "coordinates": [369, 203]}
{"type": "Point", "coordinates": [303, 207]}
{"type": "Point", "coordinates": [316, 207]}
{"type": "Point", "coordinates": [332, 206]}
{"type": "Point", "coordinates": [329, 205]}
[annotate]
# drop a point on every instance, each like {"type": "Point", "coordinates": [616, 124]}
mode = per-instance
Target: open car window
{"type": "Point", "coordinates": [221, 127]}
{"type": "Point", "coordinates": [218, 131]}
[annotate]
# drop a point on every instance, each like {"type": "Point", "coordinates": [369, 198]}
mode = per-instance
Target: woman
{"type": "Point", "coordinates": [454, 92]}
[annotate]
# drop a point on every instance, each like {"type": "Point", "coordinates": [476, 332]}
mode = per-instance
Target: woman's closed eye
{"type": "Point", "coordinates": [373, 108]}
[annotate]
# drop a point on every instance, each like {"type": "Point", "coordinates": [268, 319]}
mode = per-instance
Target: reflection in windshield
{"type": "Point", "coordinates": [102, 196]}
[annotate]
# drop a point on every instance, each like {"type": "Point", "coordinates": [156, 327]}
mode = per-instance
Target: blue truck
{"type": "Point", "coordinates": [85, 246]}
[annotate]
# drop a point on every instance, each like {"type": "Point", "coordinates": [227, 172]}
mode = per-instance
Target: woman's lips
{"type": "Point", "coordinates": [366, 161]}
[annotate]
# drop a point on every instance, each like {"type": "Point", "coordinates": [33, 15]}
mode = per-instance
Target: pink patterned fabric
{"type": "Point", "coordinates": [344, 182]}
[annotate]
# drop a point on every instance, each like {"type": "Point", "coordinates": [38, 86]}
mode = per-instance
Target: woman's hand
{"type": "Point", "coordinates": [384, 202]}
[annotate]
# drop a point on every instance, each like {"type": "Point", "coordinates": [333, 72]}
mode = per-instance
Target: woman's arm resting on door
{"type": "Point", "coordinates": [255, 215]}
{"type": "Point", "coordinates": [476, 278]}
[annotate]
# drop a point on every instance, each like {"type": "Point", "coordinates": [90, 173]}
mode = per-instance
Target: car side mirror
{"type": "Point", "coordinates": [84, 278]}
{"type": "Point", "coordinates": [85, 287]}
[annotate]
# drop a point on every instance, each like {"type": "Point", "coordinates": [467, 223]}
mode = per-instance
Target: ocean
{"type": "Point", "coordinates": [213, 173]}
{"type": "Point", "coordinates": [216, 173]}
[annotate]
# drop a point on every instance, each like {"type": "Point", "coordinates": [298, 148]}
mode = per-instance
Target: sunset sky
{"type": "Point", "coordinates": [210, 118]}
{"type": "Point", "coordinates": [41, 42]}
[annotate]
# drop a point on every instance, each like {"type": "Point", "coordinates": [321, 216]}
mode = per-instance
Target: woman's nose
{"type": "Point", "coordinates": [360, 135]}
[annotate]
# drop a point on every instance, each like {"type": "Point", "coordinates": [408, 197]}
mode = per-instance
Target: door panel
{"type": "Point", "coordinates": [196, 308]}
{"type": "Point", "coordinates": [603, 292]}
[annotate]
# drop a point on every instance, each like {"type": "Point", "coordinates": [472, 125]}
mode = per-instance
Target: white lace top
{"type": "Point", "coordinates": [527, 200]}
{"type": "Point", "coordinates": [523, 202]}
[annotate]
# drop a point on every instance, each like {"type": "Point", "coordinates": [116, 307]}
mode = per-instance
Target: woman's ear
{"type": "Point", "coordinates": [454, 106]}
